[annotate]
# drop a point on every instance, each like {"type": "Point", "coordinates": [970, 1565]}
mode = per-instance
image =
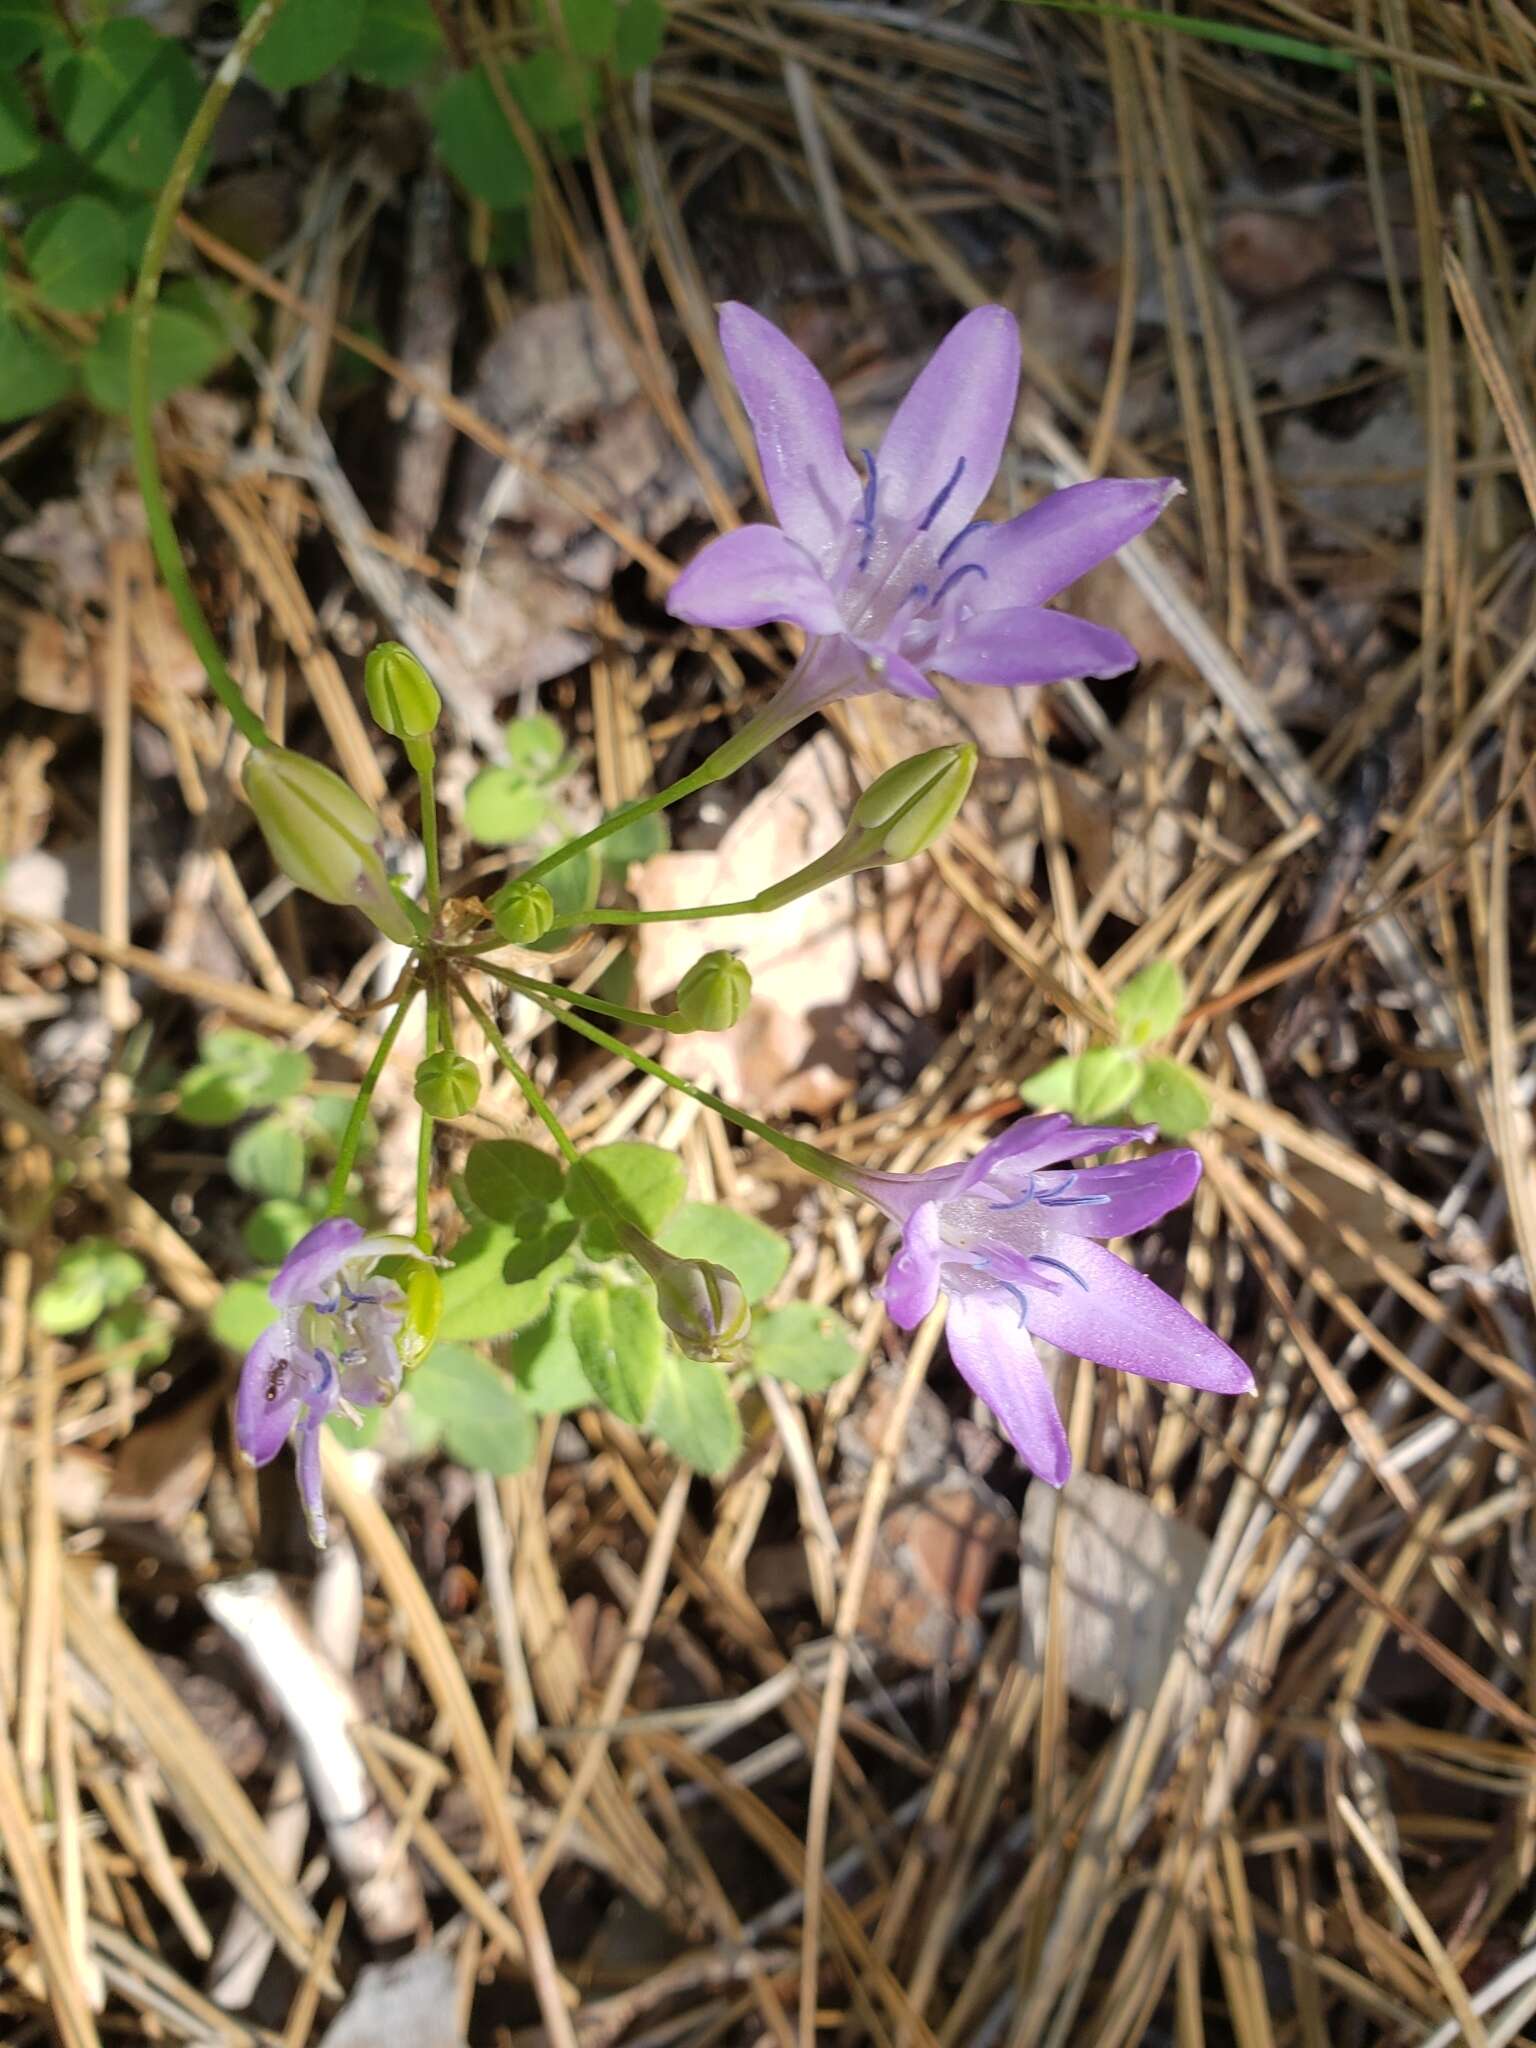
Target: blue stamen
{"type": "Point", "coordinates": [866, 525]}
{"type": "Point", "coordinates": [942, 499]}
{"type": "Point", "coordinates": [1072, 1201]}
{"type": "Point", "coordinates": [965, 533]}
{"type": "Point", "coordinates": [1061, 1266]}
{"type": "Point", "coordinates": [1018, 1295]}
{"type": "Point", "coordinates": [1019, 1201]}
{"type": "Point", "coordinates": [954, 576]}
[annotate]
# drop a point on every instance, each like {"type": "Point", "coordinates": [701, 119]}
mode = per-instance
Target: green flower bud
{"type": "Point", "coordinates": [522, 912]}
{"type": "Point", "coordinates": [714, 993]}
{"type": "Point", "coordinates": [447, 1084]}
{"type": "Point", "coordinates": [322, 835]}
{"type": "Point", "coordinates": [910, 805]}
{"type": "Point", "coordinates": [702, 1304]}
{"type": "Point", "coordinates": [401, 695]}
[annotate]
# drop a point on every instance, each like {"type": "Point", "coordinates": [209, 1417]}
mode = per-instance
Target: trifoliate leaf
{"type": "Point", "coordinates": [1150, 1004]}
{"type": "Point", "coordinates": [124, 98]}
{"type": "Point", "coordinates": [505, 1178]}
{"type": "Point", "coordinates": [76, 254]}
{"type": "Point", "coordinates": [1105, 1081]}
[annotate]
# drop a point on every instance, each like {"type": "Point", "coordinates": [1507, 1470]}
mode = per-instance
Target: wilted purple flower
{"type": "Point", "coordinates": [1012, 1244]}
{"type": "Point", "coordinates": [334, 1347]}
{"type": "Point", "coordinates": [893, 575]}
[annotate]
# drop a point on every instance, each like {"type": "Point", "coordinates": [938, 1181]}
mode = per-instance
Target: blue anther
{"type": "Point", "coordinates": [976, 526]}
{"type": "Point", "coordinates": [1072, 1201]}
{"type": "Point", "coordinates": [954, 576]}
{"type": "Point", "coordinates": [917, 590]}
{"type": "Point", "coordinates": [1019, 1201]}
{"type": "Point", "coordinates": [1061, 1266]}
{"type": "Point", "coordinates": [356, 1300]}
{"type": "Point", "coordinates": [943, 498]}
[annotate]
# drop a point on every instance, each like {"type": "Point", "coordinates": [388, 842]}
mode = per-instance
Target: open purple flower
{"type": "Point", "coordinates": [892, 575]}
{"type": "Point", "coordinates": [334, 1348]}
{"type": "Point", "coordinates": [1011, 1241]}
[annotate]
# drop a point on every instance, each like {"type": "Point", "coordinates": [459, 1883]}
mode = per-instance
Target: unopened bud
{"type": "Point", "coordinates": [423, 1312]}
{"type": "Point", "coordinates": [322, 835]}
{"type": "Point", "coordinates": [447, 1084]}
{"type": "Point", "coordinates": [702, 1304]}
{"type": "Point", "coordinates": [714, 993]}
{"type": "Point", "coordinates": [912, 804]}
{"type": "Point", "coordinates": [401, 695]}
{"type": "Point", "coordinates": [522, 912]}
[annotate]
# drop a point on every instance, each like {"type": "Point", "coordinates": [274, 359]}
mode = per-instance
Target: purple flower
{"type": "Point", "coordinates": [334, 1347]}
{"type": "Point", "coordinates": [892, 574]}
{"type": "Point", "coordinates": [1012, 1244]}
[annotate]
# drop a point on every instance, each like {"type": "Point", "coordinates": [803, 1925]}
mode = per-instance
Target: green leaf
{"type": "Point", "coordinates": [646, 836]}
{"type": "Point", "coordinates": [486, 1423]}
{"type": "Point", "coordinates": [123, 101]}
{"type": "Point", "coordinates": [810, 1347]}
{"type": "Point", "coordinates": [553, 90]}
{"type": "Point", "coordinates": [505, 1178]}
{"type": "Point", "coordinates": [1150, 1004]}
{"type": "Point", "coordinates": [591, 25]}
{"type": "Point", "coordinates": [535, 747]}
{"type": "Point", "coordinates": [621, 1343]}
{"type": "Point", "coordinates": [547, 1362]}
{"type": "Point", "coordinates": [326, 1118]}
{"type": "Point", "coordinates": [502, 809]}
{"type": "Point", "coordinates": [76, 255]}
{"type": "Point", "coordinates": [1105, 1081]}
{"type": "Point", "coordinates": [1171, 1097]}
{"type": "Point", "coordinates": [642, 29]}
{"type": "Point", "coordinates": [640, 1184]}
{"type": "Point", "coordinates": [91, 1277]}
{"type": "Point", "coordinates": [269, 1073]}
{"type": "Point", "coordinates": [695, 1414]}
{"type": "Point", "coordinates": [130, 1323]}
{"type": "Point", "coordinates": [479, 1300]}
{"type": "Point", "coordinates": [304, 41]}
{"type": "Point", "coordinates": [241, 1313]}
{"type": "Point", "coordinates": [25, 27]}
{"type": "Point", "coordinates": [32, 377]}
{"type": "Point", "coordinates": [1053, 1087]}
{"type": "Point", "coordinates": [268, 1159]}
{"type": "Point", "coordinates": [745, 1247]}
{"type": "Point", "coordinates": [476, 144]}
{"type": "Point", "coordinates": [398, 41]}
{"type": "Point", "coordinates": [271, 1232]}
{"type": "Point", "coordinates": [210, 1097]}
{"type": "Point", "coordinates": [186, 345]}
{"type": "Point", "coordinates": [20, 142]}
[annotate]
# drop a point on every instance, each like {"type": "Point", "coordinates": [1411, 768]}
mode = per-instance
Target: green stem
{"type": "Point", "coordinates": [759, 732]}
{"type": "Point", "coordinates": [809, 1158]}
{"type": "Point", "coordinates": [157, 511]}
{"type": "Point", "coordinates": [424, 1181]}
{"type": "Point", "coordinates": [578, 920]}
{"type": "Point", "coordinates": [642, 1020]}
{"type": "Point", "coordinates": [423, 758]}
{"type": "Point", "coordinates": [533, 1095]}
{"type": "Point", "coordinates": [352, 1136]}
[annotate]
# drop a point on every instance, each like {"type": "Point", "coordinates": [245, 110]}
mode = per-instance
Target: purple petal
{"type": "Point", "coordinates": [271, 1393]}
{"type": "Point", "coordinates": [1134, 1195]}
{"type": "Point", "coordinates": [750, 576]}
{"type": "Point", "coordinates": [887, 669]}
{"type": "Point", "coordinates": [811, 484]}
{"type": "Point", "coordinates": [1039, 1141]}
{"type": "Point", "coordinates": [1120, 1318]}
{"type": "Point", "coordinates": [959, 411]}
{"type": "Point", "coordinates": [1036, 556]}
{"type": "Point", "coordinates": [307, 1472]}
{"type": "Point", "coordinates": [309, 1270]}
{"type": "Point", "coordinates": [1022, 644]}
{"type": "Point", "coordinates": [912, 1278]}
{"type": "Point", "coordinates": [993, 1351]}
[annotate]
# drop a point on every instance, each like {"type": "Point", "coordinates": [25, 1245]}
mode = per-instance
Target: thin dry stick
{"type": "Point", "coordinates": [860, 1558]}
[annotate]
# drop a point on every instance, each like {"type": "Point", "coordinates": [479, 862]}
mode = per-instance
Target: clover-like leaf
{"type": "Point", "coordinates": [475, 142]}
{"type": "Point", "coordinates": [632, 1182]}
{"type": "Point", "coordinates": [1150, 1004]}
{"type": "Point", "coordinates": [92, 1276]}
{"type": "Point", "coordinates": [547, 1362]}
{"type": "Point", "coordinates": [77, 254]}
{"type": "Point", "coordinates": [124, 97]}
{"type": "Point", "coordinates": [479, 1300]}
{"type": "Point", "coordinates": [695, 1414]}
{"type": "Point", "coordinates": [398, 42]}
{"type": "Point", "coordinates": [505, 1179]}
{"type": "Point", "coordinates": [502, 808]}
{"type": "Point", "coordinates": [641, 30]}
{"type": "Point", "coordinates": [485, 1422]}
{"type": "Point", "coordinates": [32, 375]}
{"type": "Point", "coordinates": [304, 43]}
{"type": "Point", "coordinates": [1105, 1081]}
{"type": "Point", "coordinates": [535, 747]}
{"type": "Point", "coordinates": [620, 1342]}
{"type": "Point", "coordinates": [241, 1313]}
{"type": "Point", "coordinates": [268, 1159]}
{"type": "Point", "coordinates": [810, 1347]}
{"type": "Point", "coordinates": [1054, 1087]}
{"type": "Point", "coordinates": [1171, 1097]}
{"type": "Point", "coordinates": [19, 139]}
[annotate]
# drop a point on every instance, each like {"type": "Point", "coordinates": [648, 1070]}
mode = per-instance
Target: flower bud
{"type": "Point", "coordinates": [322, 835]}
{"type": "Point", "coordinates": [522, 912]}
{"type": "Point", "coordinates": [714, 993]}
{"type": "Point", "coordinates": [702, 1304]}
{"type": "Point", "coordinates": [911, 804]}
{"type": "Point", "coordinates": [401, 695]}
{"type": "Point", "coordinates": [417, 1334]}
{"type": "Point", "coordinates": [447, 1084]}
